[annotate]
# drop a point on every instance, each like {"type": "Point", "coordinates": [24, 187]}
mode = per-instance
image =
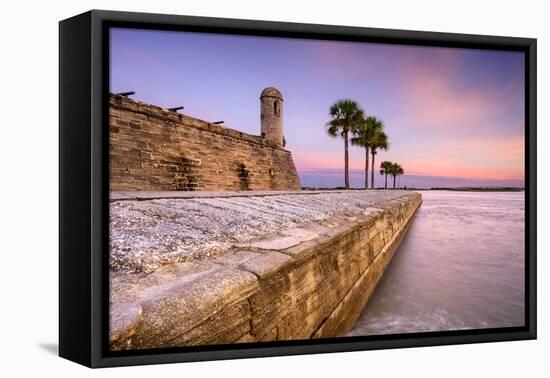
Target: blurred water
{"type": "Point", "coordinates": [460, 266]}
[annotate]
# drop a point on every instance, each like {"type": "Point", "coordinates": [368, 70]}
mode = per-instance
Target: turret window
{"type": "Point", "coordinates": [275, 107]}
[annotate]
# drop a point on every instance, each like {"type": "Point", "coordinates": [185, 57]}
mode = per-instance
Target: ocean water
{"type": "Point", "coordinates": [460, 266]}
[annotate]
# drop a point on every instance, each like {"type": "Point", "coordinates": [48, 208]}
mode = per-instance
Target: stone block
{"type": "Point", "coordinates": [268, 264]}
{"type": "Point", "coordinates": [177, 299]}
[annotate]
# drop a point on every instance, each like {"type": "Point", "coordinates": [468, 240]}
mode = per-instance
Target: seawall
{"type": "Point", "coordinates": [309, 277]}
{"type": "Point", "coordinates": [155, 149]}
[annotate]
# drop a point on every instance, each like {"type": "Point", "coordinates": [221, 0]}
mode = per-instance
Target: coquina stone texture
{"type": "Point", "coordinates": [307, 276]}
{"type": "Point", "coordinates": [155, 149]}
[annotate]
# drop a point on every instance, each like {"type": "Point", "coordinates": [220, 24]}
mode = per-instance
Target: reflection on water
{"type": "Point", "coordinates": [460, 266]}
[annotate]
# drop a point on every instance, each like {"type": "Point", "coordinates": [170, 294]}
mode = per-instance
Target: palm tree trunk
{"type": "Point", "coordinates": [366, 167]}
{"type": "Point", "coordinates": [386, 180]}
{"type": "Point", "coordinates": [346, 159]}
{"type": "Point", "coordinates": [372, 171]}
{"type": "Point", "coordinates": [394, 182]}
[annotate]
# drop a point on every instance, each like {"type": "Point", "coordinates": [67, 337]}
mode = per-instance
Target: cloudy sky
{"type": "Point", "coordinates": [454, 117]}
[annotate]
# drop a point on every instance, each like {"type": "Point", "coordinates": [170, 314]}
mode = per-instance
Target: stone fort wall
{"type": "Point", "coordinates": [156, 149]}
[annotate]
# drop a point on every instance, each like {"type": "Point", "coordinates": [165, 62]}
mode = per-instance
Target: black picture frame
{"type": "Point", "coordinates": [84, 191]}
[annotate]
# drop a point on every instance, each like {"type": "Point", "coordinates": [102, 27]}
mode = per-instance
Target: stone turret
{"type": "Point", "coordinates": [271, 102]}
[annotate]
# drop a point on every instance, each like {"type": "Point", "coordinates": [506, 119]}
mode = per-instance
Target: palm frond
{"type": "Point", "coordinates": [346, 116]}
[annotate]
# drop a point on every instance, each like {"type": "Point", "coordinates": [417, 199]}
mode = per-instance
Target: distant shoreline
{"type": "Point", "coordinates": [458, 189]}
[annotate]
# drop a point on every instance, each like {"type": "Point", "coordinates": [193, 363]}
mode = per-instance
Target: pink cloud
{"type": "Point", "coordinates": [433, 102]}
{"type": "Point", "coordinates": [433, 99]}
{"type": "Point", "coordinates": [496, 157]}
{"type": "Point", "coordinates": [492, 158]}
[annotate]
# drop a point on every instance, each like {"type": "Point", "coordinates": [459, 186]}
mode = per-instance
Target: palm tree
{"type": "Point", "coordinates": [396, 170]}
{"type": "Point", "coordinates": [380, 141]}
{"type": "Point", "coordinates": [362, 138]}
{"type": "Point", "coordinates": [385, 167]}
{"type": "Point", "coordinates": [366, 136]}
{"type": "Point", "coordinates": [347, 116]}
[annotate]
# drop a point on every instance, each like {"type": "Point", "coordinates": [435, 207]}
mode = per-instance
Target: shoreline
{"type": "Point", "coordinates": [455, 284]}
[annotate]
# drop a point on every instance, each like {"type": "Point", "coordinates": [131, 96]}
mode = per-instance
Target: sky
{"type": "Point", "coordinates": [454, 117]}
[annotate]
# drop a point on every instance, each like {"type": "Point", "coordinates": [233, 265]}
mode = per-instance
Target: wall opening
{"type": "Point", "coordinates": [244, 176]}
{"type": "Point", "coordinates": [189, 179]}
{"type": "Point", "coordinates": [272, 180]}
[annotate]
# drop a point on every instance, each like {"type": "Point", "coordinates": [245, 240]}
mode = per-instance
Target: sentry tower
{"type": "Point", "coordinates": [271, 102]}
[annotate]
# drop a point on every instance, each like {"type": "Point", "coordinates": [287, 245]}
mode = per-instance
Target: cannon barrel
{"type": "Point", "coordinates": [126, 94]}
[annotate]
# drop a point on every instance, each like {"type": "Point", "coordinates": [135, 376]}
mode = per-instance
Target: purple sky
{"type": "Point", "coordinates": [453, 116]}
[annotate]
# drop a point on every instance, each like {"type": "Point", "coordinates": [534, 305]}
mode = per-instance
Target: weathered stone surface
{"type": "Point", "coordinates": [314, 286]}
{"type": "Point", "coordinates": [175, 300]}
{"type": "Point", "coordinates": [273, 242]}
{"type": "Point", "coordinates": [146, 235]}
{"type": "Point", "coordinates": [346, 313]}
{"type": "Point", "coordinates": [267, 264]}
{"type": "Point", "coordinates": [236, 258]}
{"type": "Point", "coordinates": [150, 195]}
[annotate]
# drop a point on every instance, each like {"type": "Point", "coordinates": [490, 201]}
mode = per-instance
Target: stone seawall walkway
{"type": "Point", "coordinates": [219, 268]}
{"type": "Point", "coordinates": [153, 229]}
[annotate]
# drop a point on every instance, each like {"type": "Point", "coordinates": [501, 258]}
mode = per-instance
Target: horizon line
{"type": "Point", "coordinates": [361, 170]}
